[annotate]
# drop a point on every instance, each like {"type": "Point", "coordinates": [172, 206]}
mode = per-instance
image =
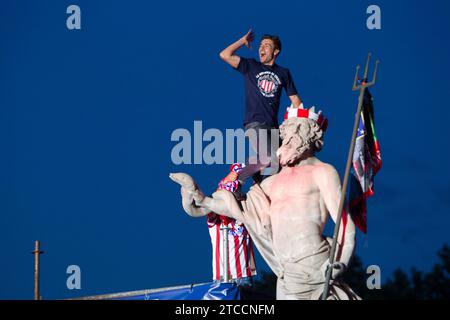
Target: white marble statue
{"type": "Point", "coordinates": [286, 213]}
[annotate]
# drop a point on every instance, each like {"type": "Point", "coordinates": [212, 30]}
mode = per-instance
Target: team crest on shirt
{"type": "Point", "coordinates": [268, 83]}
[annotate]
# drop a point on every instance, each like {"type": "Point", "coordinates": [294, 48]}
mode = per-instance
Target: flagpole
{"type": "Point", "coordinates": [225, 259]}
{"type": "Point", "coordinates": [361, 88]}
{"type": "Point", "coordinates": [37, 269]}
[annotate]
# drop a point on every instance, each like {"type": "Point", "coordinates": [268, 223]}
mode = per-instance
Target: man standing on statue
{"type": "Point", "coordinates": [264, 80]}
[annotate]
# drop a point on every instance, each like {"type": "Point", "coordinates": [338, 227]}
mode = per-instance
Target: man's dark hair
{"type": "Point", "coordinates": [276, 40]}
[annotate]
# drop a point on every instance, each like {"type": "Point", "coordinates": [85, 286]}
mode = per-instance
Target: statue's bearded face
{"type": "Point", "coordinates": [289, 152]}
{"type": "Point", "coordinates": [298, 137]}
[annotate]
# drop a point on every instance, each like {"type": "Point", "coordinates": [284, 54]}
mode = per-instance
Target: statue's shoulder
{"type": "Point", "coordinates": [324, 168]}
{"type": "Point", "coordinates": [325, 174]}
{"type": "Point", "coordinates": [267, 184]}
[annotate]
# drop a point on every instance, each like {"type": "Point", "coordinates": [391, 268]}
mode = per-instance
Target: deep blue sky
{"type": "Point", "coordinates": [86, 118]}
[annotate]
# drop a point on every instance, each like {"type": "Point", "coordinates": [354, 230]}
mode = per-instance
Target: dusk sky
{"type": "Point", "coordinates": [86, 118]}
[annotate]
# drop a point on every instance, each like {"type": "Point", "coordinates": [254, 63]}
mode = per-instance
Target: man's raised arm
{"type": "Point", "coordinates": [228, 55]}
{"type": "Point", "coordinates": [296, 101]}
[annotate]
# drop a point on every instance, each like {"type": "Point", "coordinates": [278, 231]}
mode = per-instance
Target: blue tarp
{"type": "Point", "coordinates": [208, 291]}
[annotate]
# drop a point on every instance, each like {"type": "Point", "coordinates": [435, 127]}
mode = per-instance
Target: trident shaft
{"type": "Point", "coordinates": [361, 87]}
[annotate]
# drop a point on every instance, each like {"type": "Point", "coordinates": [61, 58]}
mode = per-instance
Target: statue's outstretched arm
{"type": "Point", "coordinates": [197, 205]}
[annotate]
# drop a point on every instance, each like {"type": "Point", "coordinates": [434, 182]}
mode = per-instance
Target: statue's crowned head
{"type": "Point", "coordinates": [302, 135]}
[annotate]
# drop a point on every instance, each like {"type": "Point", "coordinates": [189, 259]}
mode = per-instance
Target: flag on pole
{"type": "Point", "coordinates": [366, 164]}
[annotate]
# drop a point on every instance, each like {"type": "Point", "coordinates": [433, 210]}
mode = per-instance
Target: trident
{"type": "Point", "coordinates": [361, 87]}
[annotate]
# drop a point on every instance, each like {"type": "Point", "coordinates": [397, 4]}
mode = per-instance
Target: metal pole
{"type": "Point", "coordinates": [361, 88]}
{"type": "Point", "coordinates": [37, 270]}
{"type": "Point", "coordinates": [224, 230]}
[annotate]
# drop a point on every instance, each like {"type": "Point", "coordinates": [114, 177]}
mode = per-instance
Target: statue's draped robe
{"type": "Point", "coordinates": [300, 277]}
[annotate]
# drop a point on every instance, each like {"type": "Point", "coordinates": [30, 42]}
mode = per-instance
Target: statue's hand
{"type": "Point", "coordinates": [189, 189]}
{"type": "Point", "coordinates": [187, 197]}
{"type": "Point", "coordinates": [198, 197]}
{"type": "Point", "coordinates": [184, 180]}
{"type": "Point", "coordinates": [338, 269]}
{"type": "Point", "coordinates": [191, 196]}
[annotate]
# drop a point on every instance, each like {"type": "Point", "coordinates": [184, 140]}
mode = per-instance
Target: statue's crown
{"type": "Point", "coordinates": [300, 112]}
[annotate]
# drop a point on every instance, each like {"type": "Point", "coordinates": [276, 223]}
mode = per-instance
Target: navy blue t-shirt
{"type": "Point", "coordinates": [263, 90]}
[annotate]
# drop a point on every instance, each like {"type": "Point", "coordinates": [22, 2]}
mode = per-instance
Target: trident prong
{"type": "Point", "coordinates": [355, 81]}
{"type": "Point", "coordinates": [374, 77]}
{"type": "Point", "coordinates": [364, 83]}
{"type": "Point", "coordinates": [366, 70]}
